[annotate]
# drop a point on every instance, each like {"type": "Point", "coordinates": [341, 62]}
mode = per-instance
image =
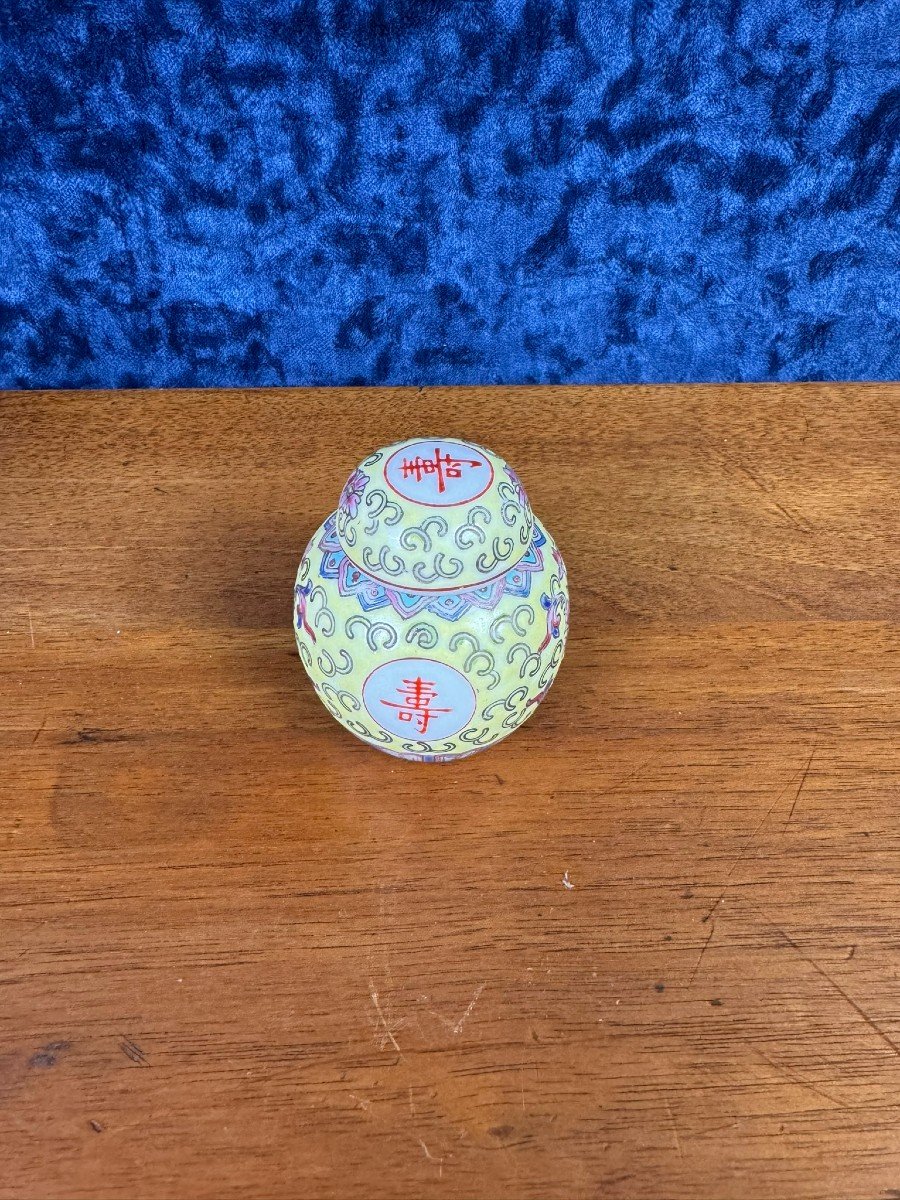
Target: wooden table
{"type": "Point", "coordinates": [245, 956]}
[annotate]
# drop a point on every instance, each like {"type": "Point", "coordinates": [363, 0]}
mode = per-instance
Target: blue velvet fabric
{"type": "Point", "coordinates": [227, 192]}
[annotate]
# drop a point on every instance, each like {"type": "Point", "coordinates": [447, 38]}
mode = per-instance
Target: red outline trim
{"type": "Point", "coordinates": [436, 504]}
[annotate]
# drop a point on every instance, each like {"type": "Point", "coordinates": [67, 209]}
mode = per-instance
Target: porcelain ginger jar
{"type": "Point", "coordinates": [431, 608]}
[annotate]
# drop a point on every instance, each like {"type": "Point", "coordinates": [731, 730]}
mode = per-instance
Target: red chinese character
{"type": "Point", "coordinates": [441, 465]}
{"type": "Point", "coordinates": [417, 697]}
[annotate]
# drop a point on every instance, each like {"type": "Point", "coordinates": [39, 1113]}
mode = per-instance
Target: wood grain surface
{"type": "Point", "coordinates": [648, 946]}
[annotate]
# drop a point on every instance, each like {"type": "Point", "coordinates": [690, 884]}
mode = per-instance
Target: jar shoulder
{"type": "Point", "coordinates": [508, 607]}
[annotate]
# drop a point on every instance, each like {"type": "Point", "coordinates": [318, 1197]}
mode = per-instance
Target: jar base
{"type": "Point", "coordinates": [427, 758]}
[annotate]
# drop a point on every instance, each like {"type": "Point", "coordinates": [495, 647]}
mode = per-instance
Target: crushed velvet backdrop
{"type": "Point", "coordinates": [212, 192]}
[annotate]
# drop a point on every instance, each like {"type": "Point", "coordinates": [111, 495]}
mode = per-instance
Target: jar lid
{"type": "Point", "coordinates": [434, 514]}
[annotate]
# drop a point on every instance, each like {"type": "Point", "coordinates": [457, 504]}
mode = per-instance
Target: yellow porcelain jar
{"type": "Point", "coordinates": [431, 609]}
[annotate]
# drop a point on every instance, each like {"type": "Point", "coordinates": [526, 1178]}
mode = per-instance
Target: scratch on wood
{"type": "Point", "coordinates": [457, 1028]}
{"type": "Point", "coordinates": [746, 846]}
{"type": "Point", "coordinates": [132, 1050]}
{"type": "Point", "coordinates": [750, 475]}
{"type": "Point", "coordinates": [443, 1020]}
{"type": "Point", "coordinates": [812, 1087]}
{"type": "Point", "coordinates": [812, 755]}
{"type": "Point", "coordinates": [30, 625]}
{"type": "Point", "coordinates": [674, 1127]}
{"type": "Point", "coordinates": [703, 950]}
{"type": "Point", "coordinates": [767, 490]}
{"type": "Point", "coordinates": [857, 1008]}
{"type": "Point", "coordinates": [40, 731]}
{"type": "Point", "coordinates": [638, 770]}
{"type": "Point", "coordinates": [90, 736]}
{"type": "Point", "coordinates": [387, 1028]}
{"type": "Point", "coordinates": [784, 598]}
{"type": "Point", "coordinates": [800, 526]}
{"type": "Point", "coordinates": [431, 1158]}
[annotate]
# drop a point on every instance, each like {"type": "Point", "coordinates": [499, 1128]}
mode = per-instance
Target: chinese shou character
{"type": "Point", "coordinates": [442, 465]}
{"type": "Point", "coordinates": [417, 697]}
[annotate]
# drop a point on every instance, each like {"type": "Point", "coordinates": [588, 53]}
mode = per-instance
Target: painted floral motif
{"type": "Point", "coordinates": [301, 595]}
{"type": "Point", "coordinates": [372, 594]}
{"type": "Point", "coordinates": [538, 697]}
{"type": "Point", "coordinates": [352, 493]}
{"type": "Point", "coordinates": [555, 606]}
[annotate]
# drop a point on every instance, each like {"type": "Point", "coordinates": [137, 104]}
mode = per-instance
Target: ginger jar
{"type": "Point", "coordinates": [431, 609]}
